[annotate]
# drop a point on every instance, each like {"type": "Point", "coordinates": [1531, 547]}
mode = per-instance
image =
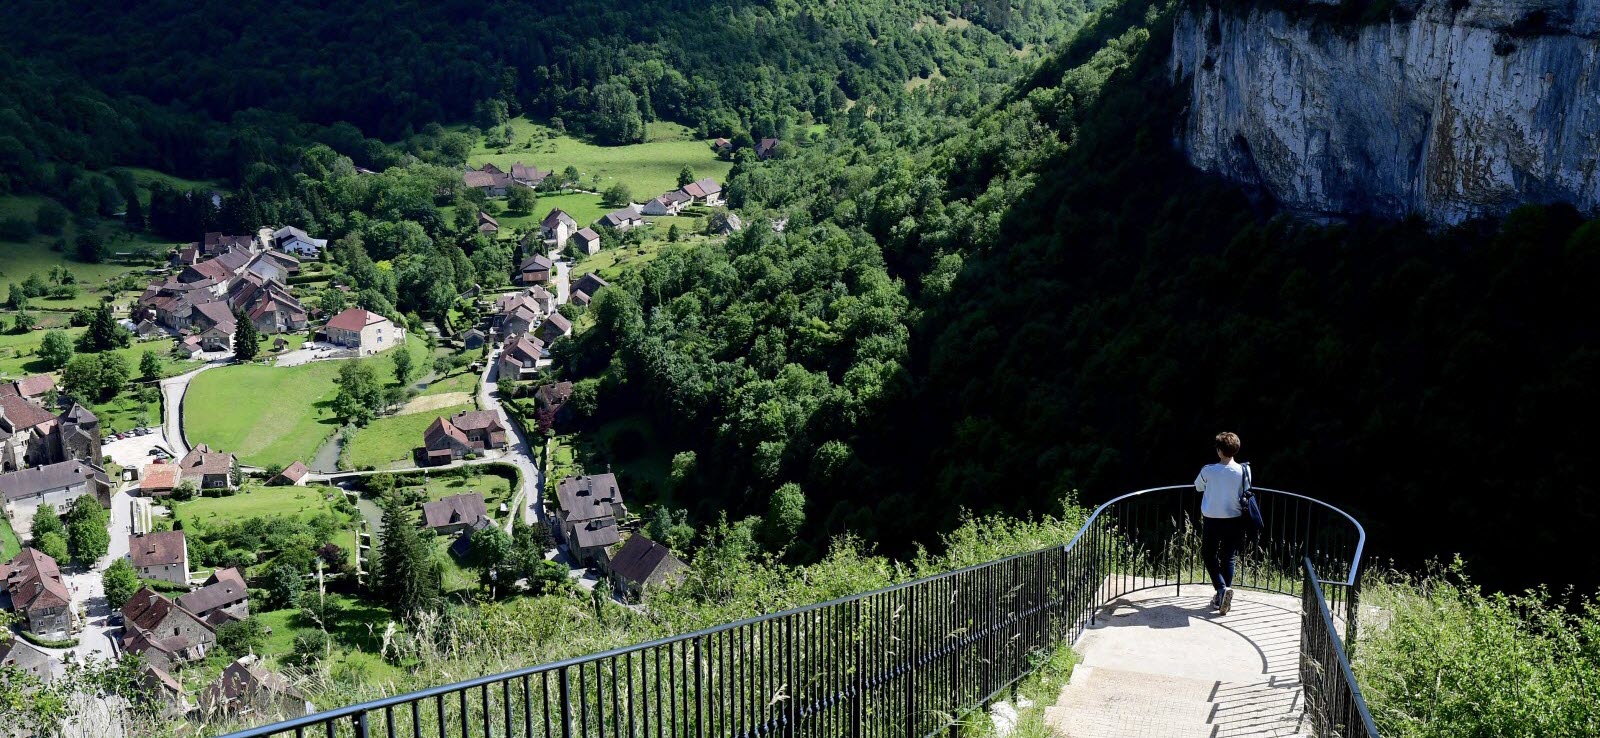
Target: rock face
{"type": "Point", "coordinates": [1451, 114]}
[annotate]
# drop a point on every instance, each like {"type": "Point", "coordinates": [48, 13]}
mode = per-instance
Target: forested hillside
{"type": "Point", "coordinates": [1085, 310]}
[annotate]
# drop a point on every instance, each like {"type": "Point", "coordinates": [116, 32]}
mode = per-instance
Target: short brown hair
{"type": "Point", "coordinates": [1228, 444]}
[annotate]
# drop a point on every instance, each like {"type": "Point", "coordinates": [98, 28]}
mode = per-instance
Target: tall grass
{"type": "Point", "coordinates": [1440, 658]}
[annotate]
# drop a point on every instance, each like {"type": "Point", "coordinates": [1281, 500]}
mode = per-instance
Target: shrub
{"type": "Point", "coordinates": [47, 642]}
{"type": "Point", "coordinates": [1451, 660]}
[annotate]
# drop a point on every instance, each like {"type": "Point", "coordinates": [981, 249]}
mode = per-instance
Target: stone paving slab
{"type": "Point", "coordinates": [1158, 664]}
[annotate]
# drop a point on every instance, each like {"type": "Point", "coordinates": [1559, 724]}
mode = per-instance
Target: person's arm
{"type": "Point", "coordinates": [1200, 481]}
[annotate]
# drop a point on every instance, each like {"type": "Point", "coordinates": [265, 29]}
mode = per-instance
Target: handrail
{"type": "Point", "coordinates": [1361, 539]}
{"type": "Point", "coordinates": [1060, 588]}
{"type": "Point", "coordinates": [1313, 665]}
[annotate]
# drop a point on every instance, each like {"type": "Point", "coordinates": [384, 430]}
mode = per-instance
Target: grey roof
{"type": "Point", "coordinates": [597, 532]}
{"type": "Point", "coordinates": [537, 261]}
{"type": "Point", "coordinates": [226, 588]}
{"type": "Point", "coordinates": [584, 498]}
{"type": "Point", "coordinates": [558, 216]}
{"type": "Point", "coordinates": [641, 558]}
{"type": "Point", "coordinates": [34, 480]}
{"type": "Point", "coordinates": [454, 510]}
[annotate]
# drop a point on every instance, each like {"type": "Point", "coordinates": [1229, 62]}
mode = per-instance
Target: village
{"type": "Point", "coordinates": [126, 535]}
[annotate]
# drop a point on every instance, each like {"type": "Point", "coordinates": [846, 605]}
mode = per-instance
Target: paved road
{"type": "Point", "coordinates": [529, 500]}
{"type": "Point", "coordinates": [172, 391]}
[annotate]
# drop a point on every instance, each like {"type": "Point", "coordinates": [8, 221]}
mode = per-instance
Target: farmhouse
{"type": "Point", "coordinates": [38, 595]}
{"type": "Point", "coordinates": [489, 179]}
{"type": "Point", "coordinates": [455, 513]}
{"type": "Point", "coordinates": [520, 357]}
{"type": "Point", "coordinates": [587, 286]}
{"type": "Point", "coordinates": [292, 240]}
{"type": "Point", "coordinates": [766, 148]}
{"type": "Point", "coordinates": [246, 687]}
{"type": "Point", "coordinates": [588, 241]}
{"type": "Point", "coordinates": [590, 506]}
{"type": "Point", "coordinates": [642, 563]}
{"type": "Point", "coordinates": [623, 219]}
{"type": "Point", "coordinates": [292, 475]}
{"type": "Point", "coordinates": [535, 269]}
{"type": "Point", "coordinates": [159, 479]}
{"type": "Point", "coordinates": [366, 332]}
{"type": "Point", "coordinates": [722, 146]}
{"type": "Point", "coordinates": [163, 555]}
{"type": "Point", "coordinates": [163, 632]}
{"type": "Point", "coordinates": [466, 432]}
{"type": "Point", "coordinates": [473, 339]}
{"type": "Point", "coordinates": [528, 176]}
{"type": "Point", "coordinates": [223, 598]}
{"type": "Point", "coordinates": [668, 204]}
{"type": "Point", "coordinates": [704, 191]}
{"type": "Point", "coordinates": [274, 265]}
{"type": "Point", "coordinates": [33, 387]}
{"type": "Point", "coordinates": [555, 326]}
{"type": "Point", "coordinates": [268, 304]}
{"type": "Point", "coordinates": [207, 469]}
{"type": "Point", "coordinates": [557, 227]}
{"type": "Point", "coordinates": [24, 490]}
{"type": "Point", "coordinates": [487, 224]}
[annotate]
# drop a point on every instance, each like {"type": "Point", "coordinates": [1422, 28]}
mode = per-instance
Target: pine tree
{"type": "Point", "coordinates": [246, 340]}
{"type": "Point", "coordinates": [407, 577]}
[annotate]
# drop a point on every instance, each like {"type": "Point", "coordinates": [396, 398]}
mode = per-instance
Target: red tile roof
{"type": "Point", "coordinates": [353, 319]}
{"type": "Point", "coordinates": [158, 549]}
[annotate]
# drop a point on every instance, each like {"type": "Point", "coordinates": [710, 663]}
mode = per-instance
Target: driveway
{"type": "Point", "coordinates": [530, 498]}
{"type": "Point", "coordinates": [563, 279]}
{"type": "Point", "coordinates": [313, 351]}
{"type": "Point", "coordinates": [172, 391]}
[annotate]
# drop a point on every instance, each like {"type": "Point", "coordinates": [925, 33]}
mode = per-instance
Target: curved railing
{"type": "Point", "coordinates": [1154, 537]}
{"type": "Point", "coordinates": [905, 661]}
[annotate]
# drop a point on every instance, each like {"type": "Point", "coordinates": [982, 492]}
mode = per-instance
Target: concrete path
{"type": "Point", "coordinates": [1159, 665]}
{"type": "Point", "coordinates": [172, 391]}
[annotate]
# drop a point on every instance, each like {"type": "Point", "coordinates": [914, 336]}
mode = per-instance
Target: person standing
{"type": "Point", "coordinates": [1222, 523]}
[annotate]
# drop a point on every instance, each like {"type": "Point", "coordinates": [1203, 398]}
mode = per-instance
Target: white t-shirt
{"type": "Point", "coordinates": [1220, 483]}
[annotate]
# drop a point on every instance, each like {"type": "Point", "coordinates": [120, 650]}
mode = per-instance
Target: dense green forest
{"type": "Point", "coordinates": [988, 291]}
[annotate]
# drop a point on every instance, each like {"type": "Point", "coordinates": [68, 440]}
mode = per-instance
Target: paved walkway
{"type": "Point", "coordinates": [1158, 665]}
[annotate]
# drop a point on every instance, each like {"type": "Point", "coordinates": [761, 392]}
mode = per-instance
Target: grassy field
{"type": "Point", "coordinates": [357, 635]}
{"type": "Point", "coordinates": [19, 354]}
{"type": "Point", "coordinates": [21, 259]}
{"type": "Point", "coordinates": [143, 178]}
{"type": "Point", "coordinates": [269, 414]}
{"type": "Point", "coordinates": [127, 412]}
{"type": "Point", "coordinates": [386, 443]}
{"type": "Point", "coordinates": [9, 545]}
{"type": "Point", "coordinates": [648, 169]}
{"type": "Point", "coordinates": [611, 263]}
{"type": "Point", "coordinates": [253, 501]}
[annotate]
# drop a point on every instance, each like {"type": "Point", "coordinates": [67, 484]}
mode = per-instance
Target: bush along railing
{"type": "Point", "coordinates": [905, 661]}
{"type": "Point", "coordinates": [1334, 703]}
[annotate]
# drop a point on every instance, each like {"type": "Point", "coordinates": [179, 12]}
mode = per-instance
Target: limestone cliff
{"type": "Point", "coordinates": [1449, 110]}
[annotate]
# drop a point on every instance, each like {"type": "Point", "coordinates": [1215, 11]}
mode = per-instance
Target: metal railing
{"type": "Point", "coordinates": [904, 661]}
{"type": "Point", "coordinates": [1333, 698]}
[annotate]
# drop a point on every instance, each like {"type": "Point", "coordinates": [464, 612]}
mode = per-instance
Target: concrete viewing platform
{"type": "Point", "coordinates": [1159, 665]}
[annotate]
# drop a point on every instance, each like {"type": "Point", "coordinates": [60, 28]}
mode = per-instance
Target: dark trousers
{"type": "Point", "coordinates": [1219, 541]}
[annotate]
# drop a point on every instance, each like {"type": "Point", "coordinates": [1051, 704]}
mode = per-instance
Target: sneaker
{"type": "Point", "coordinates": [1216, 600]}
{"type": "Point", "coordinates": [1226, 603]}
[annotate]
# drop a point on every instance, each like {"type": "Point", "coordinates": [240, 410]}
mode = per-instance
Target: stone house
{"type": "Point", "coordinates": [38, 594]}
{"type": "Point", "coordinates": [642, 564]}
{"type": "Point", "coordinates": [587, 240]}
{"type": "Point", "coordinates": [366, 332]}
{"type": "Point", "coordinates": [224, 598]}
{"type": "Point", "coordinates": [557, 227]}
{"type": "Point", "coordinates": [520, 357]}
{"type": "Point", "coordinates": [163, 632]}
{"type": "Point", "coordinates": [455, 513]}
{"type": "Point", "coordinates": [162, 555]}
{"type": "Point", "coordinates": [24, 490]}
{"type": "Point", "coordinates": [587, 521]}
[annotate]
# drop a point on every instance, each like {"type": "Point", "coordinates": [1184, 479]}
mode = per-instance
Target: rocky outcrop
{"type": "Point", "coordinates": [1449, 113]}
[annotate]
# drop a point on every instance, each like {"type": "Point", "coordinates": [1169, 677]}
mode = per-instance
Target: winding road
{"type": "Point", "coordinates": [528, 500]}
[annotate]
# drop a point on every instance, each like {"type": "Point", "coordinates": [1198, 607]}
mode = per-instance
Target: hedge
{"type": "Point", "coordinates": [30, 637]}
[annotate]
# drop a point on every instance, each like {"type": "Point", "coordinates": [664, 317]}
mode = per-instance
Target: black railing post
{"type": "Point", "coordinates": [566, 705]}
{"type": "Point", "coordinates": [361, 724]}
